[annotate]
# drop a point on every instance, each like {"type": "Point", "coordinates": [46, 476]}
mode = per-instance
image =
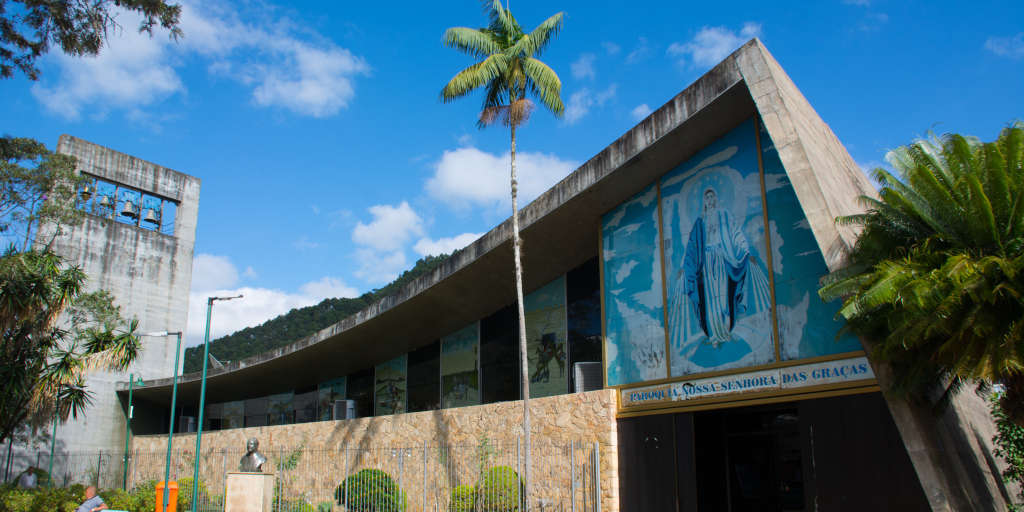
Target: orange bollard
{"type": "Point", "coordinates": [172, 496]}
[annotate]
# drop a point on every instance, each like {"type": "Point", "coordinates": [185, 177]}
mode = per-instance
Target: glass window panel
{"type": "Point", "coordinates": [583, 294]}
{"type": "Point", "coordinates": [390, 386]}
{"type": "Point", "coordinates": [499, 356]}
{"type": "Point", "coordinates": [360, 389]}
{"type": "Point", "coordinates": [425, 378]}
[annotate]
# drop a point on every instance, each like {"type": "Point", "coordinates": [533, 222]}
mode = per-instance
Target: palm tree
{"type": "Point", "coordinates": [42, 365]}
{"type": "Point", "coordinates": [936, 279]}
{"type": "Point", "coordinates": [508, 70]}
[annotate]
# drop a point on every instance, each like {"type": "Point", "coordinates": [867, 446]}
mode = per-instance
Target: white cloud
{"type": "Point", "coordinates": [712, 44]}
{"type": "Point", "coordinates": [429, 247]}
{"type": "Point", "coordinates": [873, 21]}
{"type": "Point", "coordinates": [468, 176]}
{"type": "Point", "coordinates": [382, 241]}
{"type": "Point", "coordinates": [581, 101]}
{"type": "Point", "coordinates": [1010, 46]}
{"type": "Point", "coordinates": [640, 51]}
{"type": "Point", "coordinates": [305, 244]}
{"type": "Point", "coordinates": [132, 72]}
{"type": "Point", "coordinates": [301, 72]}
{"type": "Point", "coordinates": [210, 272]}
{"type": "Point", "coordinates": [584, 66]}
{"type": "Point", "coordinates": [379, 266]}
{"type": "Point", "coordinates": [390, 229]}
{"type": "Point", "coordinates": [217, 276]}
{"type": "Point", "coordinates": [611, 48]}
{"type": "Point", "coordinates": [640, 111]}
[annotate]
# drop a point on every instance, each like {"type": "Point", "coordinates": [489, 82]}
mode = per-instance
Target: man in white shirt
{"type": "Point", "coordinates": [27, 480]}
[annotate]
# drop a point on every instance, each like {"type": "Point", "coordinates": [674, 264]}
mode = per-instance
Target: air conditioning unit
{"type": "Point", "coordinates": [344, 410]}
{"type": "Point", "coordinates": [586, 376]}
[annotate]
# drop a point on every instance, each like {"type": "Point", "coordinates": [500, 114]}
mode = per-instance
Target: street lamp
{"type": "Point", "coordinates": [128, 427]}
{"type": "Point", "coordinates": [174, 400]}
{"type": "Point", "coordinates": [202, 398]}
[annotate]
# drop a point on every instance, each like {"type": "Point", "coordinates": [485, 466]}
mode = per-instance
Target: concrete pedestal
{"type": "Point", "coordinates": [249, 492]}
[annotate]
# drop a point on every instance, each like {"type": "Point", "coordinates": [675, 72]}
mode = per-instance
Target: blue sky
{"type": "Point", "coordinates": [329, 165]}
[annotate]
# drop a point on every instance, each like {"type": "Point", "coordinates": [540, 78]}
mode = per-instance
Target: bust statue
{"type": "Point", "coordinates": [252, 461]}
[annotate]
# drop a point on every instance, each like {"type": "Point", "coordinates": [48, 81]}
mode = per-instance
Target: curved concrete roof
{"type": "Point", "coordinates": [560, 229]}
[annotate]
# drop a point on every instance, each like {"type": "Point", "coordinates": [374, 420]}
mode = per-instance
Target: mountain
{"type": "Point", "coordinates": [301, 322]}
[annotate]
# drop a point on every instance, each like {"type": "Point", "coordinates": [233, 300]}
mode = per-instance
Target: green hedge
{"type": "Point", "coordinates": [142, 498]}
{"type": "Point", "coordinates": [499, 489]}
{"type": "Point", "coordinates": [371, 490]}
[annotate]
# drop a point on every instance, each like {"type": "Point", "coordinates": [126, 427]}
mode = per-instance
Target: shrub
{"type": "Point", "coordinates": [463, 499]}
{"type": "Point", "coordinates": [499, 489]}
{"type": "Point", "coordinates": [117, 499]}
{"type": "Point", "coordinates": [185, 493]}
{"type": "Point", "coordinates": [371, 490]}
{"type": "Point", "coordinates": [324, 506]}
{"type": "Point", "coordinates": [1009, 441]}
{"type": "Point", "coordinates": [144, 496]}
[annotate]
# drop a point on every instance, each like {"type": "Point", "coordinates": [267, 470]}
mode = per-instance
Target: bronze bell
{"type": "Point", "coordinates": [105, 202]}
{"type": "Point", "coordinates": [129, 209]}
{"type": "Point", "coordinates": [151, 216]}
{"type": "Point", "coordinates": [86, 192]}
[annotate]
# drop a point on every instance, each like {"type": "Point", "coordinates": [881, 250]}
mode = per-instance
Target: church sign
{"type": "Point", "coordinates": [712, 271]}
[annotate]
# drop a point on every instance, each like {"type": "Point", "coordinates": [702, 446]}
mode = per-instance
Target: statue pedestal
{"type": "Point", "coordinates": [249, 492]}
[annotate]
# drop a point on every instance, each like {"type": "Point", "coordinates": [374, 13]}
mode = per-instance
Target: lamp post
{"type": "Point", "coordinates": [202, 397]}
{"type": "Point", "coordinates": [174, 401]}
{"type": "Point", "coordinates": [128, 427]}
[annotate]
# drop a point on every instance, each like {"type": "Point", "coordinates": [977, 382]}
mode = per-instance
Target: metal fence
{"type": "Point", "coordinates": [486, 476]}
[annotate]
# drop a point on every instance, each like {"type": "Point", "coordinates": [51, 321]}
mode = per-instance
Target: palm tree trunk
{"type": "Point", "coordinates": [524, 371]}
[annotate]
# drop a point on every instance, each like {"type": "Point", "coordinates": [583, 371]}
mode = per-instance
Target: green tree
{"type": "Point", "coordinates": [37, 188]}
{"type": "Point", "coordinates": [936, 280]}
{"type": "Point", "coordinates": [508, 71]}
{"type": "Point", "coordinates": [29, 27]}
{"type": "Point", "coordinates": [53, 332]}
{"type": "Point", "coordinates": [42, 364]}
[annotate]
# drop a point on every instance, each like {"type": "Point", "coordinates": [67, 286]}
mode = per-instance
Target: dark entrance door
{"type": "Point", "coordinates": [749, 460]}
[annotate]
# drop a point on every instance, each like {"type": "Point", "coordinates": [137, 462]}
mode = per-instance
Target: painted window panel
{"type": "Point", "coordinates": [460, 371]}
{"type": "Point", "coordinates": [546, 338]}
{"type": "Point", "coordinates": [807, 325]}
{"type": "Point", "coordinates": [718, 291]}
{"type": "Point", "coordinates": [233, 414]}
{"type": "Point", "coordinates": [634, 312]}
{"type": "Point", "coordinates": [390, 386]}
{"type": "Point", "coordinates": [279, 409]}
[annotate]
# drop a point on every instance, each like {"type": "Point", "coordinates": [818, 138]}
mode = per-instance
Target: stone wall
{"type": "Point", "coordinates": [431, 452]}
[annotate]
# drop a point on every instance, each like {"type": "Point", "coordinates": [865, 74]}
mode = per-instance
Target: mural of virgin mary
{"type": "Point", "coordinates": [719, 271]}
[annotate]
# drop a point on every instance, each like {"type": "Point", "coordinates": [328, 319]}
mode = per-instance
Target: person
{"type": "Point", "coordinates": [717, 270]}
{"type": "Point", "coordinates": [27, 480]}
{"type": "Point", "coordinates": [92, 503]}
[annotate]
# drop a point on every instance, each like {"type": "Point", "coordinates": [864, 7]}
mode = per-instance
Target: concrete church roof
{"type": "Point", "coordinates": [560, 229]}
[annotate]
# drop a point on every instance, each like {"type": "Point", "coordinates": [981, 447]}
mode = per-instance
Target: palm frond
{"type": "Point", "coordinates": [545, 84]}
{"type": "Point", "coordinates": [481, 73]}
{"type": "Point", "coordinates": [534, 43]}
{"type": "Point", "coordinates": [470, 41]}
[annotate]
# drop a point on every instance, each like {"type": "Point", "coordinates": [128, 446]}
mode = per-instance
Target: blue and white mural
{"type": "Point", "coordinates": [634, 320]}
{"type": "Point", "coordinates": [807, 325]}
{"type": "Point", "coordinates": [719, 299]}
{"type": "Point", "coordinates": [720, 281]}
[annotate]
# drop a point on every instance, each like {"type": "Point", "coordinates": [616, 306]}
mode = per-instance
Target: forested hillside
{"type": "Point", "coordinates": [299, 323]}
